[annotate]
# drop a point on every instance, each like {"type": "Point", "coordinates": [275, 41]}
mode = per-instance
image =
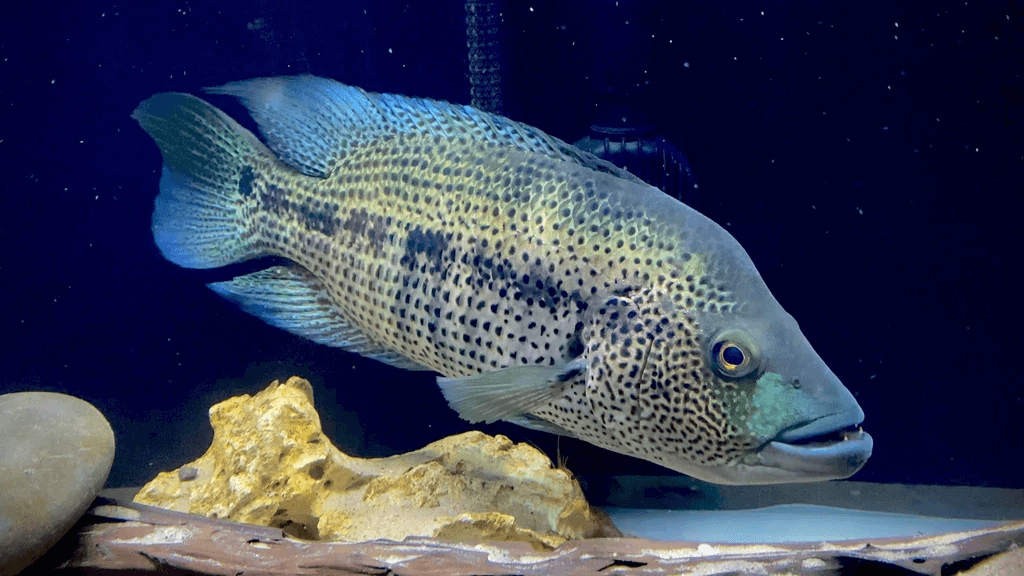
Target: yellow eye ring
{"type": "Point", "coordinates": [732, 358]}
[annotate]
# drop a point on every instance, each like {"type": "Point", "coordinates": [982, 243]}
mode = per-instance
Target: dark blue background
{"type": "Point", "coordinates": [868, 156]}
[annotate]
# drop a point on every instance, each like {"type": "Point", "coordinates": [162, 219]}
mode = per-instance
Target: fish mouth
{"type": "Point", "coordinates": [824, 430]}
{"type": "Point", "coordinates": [827, 448]}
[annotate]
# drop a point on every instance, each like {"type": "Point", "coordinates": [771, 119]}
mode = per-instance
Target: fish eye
{"type": "Point", "coordinates": [733, 358]}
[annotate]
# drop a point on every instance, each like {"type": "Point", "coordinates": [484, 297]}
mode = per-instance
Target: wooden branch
{"type": "Point", "coordinates": [120, 536]}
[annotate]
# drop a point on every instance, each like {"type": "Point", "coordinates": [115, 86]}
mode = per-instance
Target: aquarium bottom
{"type": "Point", "coordinates": [118, 536]}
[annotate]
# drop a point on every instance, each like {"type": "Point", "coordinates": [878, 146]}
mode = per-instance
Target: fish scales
{"type": "Point", "coordinates": [471, 259]}
{"type": "Point", "coordinates": [428, 245]}
{"type": "Point", "coordinates": [548, 288]}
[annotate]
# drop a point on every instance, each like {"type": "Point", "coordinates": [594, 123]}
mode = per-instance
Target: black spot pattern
{"type": "Point", "coordinates": [245, 181]}
{"type": "Point", "coordinates": [466, 256]}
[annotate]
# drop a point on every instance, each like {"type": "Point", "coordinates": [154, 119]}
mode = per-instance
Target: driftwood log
{"type": "Point", "coordinates": [126, 538]}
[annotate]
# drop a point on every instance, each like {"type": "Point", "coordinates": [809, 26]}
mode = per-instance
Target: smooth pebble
{"type": "Point", "coordinates": [55, 454]}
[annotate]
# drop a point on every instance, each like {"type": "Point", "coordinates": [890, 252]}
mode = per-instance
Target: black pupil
{"type": "Point", "coordinates": [732, 355]}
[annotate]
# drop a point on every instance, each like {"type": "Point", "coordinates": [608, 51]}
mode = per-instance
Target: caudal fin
{"type": "Point", "coordinates": [199, 219]}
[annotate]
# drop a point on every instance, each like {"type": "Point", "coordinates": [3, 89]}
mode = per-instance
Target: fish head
{"type": "Point", "coordinates": [708, 375]}
{"type": "Point", "coordinates": [736, 397]}
{"type": "Point", "coordinates": [790, 418]}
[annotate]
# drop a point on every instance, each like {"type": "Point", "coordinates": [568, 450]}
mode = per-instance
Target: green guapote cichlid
{"type": "Point", "coordinates": [548, 287]}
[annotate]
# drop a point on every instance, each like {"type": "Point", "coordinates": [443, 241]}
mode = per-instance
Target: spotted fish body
{"type": "Point", "coordinates": [547, 287]}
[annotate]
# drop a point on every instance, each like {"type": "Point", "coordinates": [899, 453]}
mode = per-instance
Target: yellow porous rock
{"type": "Point", "coordinates": [270, 464]}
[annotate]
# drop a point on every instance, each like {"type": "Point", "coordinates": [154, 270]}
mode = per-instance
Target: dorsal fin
{"type": "Point", "coordinates": [311, 123]}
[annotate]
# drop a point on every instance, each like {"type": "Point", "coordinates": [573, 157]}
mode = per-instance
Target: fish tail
{"type": "Point", "coordinates": [199, 218]}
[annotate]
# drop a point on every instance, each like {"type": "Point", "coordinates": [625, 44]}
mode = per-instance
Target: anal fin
{"type": "Point", "coordinates": [292, 299]}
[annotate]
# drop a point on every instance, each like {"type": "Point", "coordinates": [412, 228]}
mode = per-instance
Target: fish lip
{"type": "Point", "coordinates": [826, 461]}
{"type": "Point", "coordinates": [828, 448]}
{"type": "Point", "coordinates": [823, 426]}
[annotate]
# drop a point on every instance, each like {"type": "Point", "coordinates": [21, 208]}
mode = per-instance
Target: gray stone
{"type": "Point", "coordinates": [55, 454]}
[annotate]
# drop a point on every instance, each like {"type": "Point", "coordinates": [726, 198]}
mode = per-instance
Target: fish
{"type": "Point", "coordinates": [546, 287]}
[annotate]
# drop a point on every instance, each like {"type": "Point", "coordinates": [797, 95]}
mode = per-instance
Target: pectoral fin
{"type": "Point", "coordinates": [535, 423]}
{"type": "Point", "coordinates": [491, 396]}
